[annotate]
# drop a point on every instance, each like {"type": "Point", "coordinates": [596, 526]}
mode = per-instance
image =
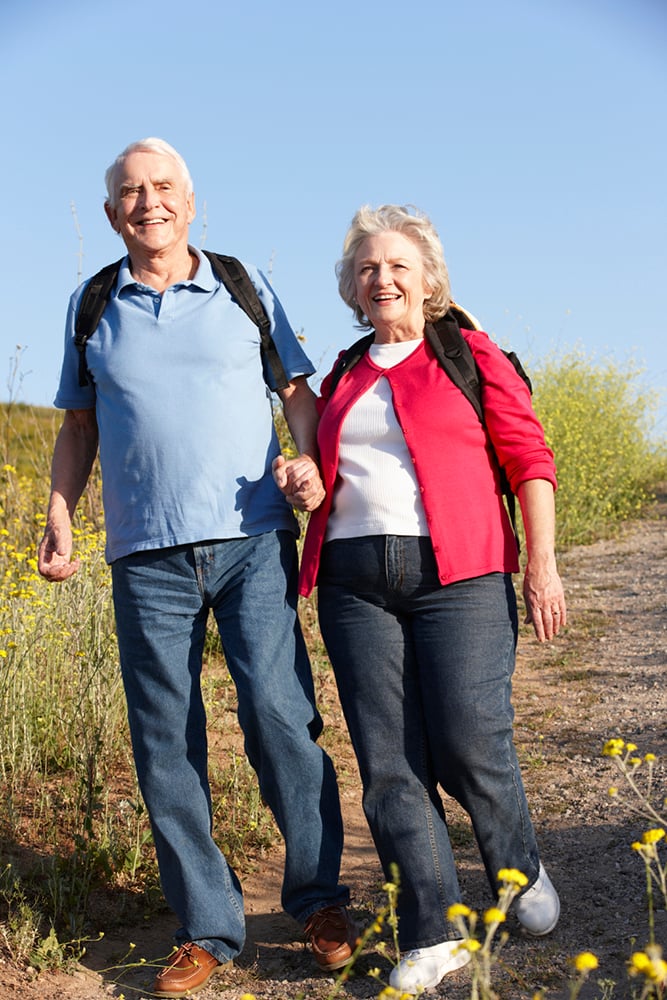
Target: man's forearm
{"type": "Point", "coordinates": [299, 405]}
{"type": "Point", "coordinates": [73, 457]}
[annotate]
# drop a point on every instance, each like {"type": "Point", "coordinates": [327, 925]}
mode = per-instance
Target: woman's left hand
{"type": "Point", "coordinates": [299, 481]}
{"type": "Point", "coordinates": [545, 599]}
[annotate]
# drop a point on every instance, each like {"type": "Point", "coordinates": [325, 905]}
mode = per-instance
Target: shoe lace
{"type": "Point", "coordinates": [186, 951]}
{"type": "Point", "coordinates": [332, 916]}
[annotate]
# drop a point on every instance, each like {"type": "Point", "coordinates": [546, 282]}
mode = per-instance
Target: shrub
{"type": "Point", "coordinates": [598, 420]}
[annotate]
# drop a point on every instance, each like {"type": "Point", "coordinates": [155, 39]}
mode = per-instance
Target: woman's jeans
{"type": "Point", "coordinates": [424, 677]}
{"type": "Point", "coordinates": [162, 600]}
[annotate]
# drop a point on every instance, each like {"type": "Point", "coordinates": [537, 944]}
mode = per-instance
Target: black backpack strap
{"type": "Point", "coordinates": [234, 277]}
{"type": "Point", "coordinates": [451, 349]}
{"type": "Point", "coordinates": [519, 369]}
{"type": "Point", "coordinates": [454, 355]}
{"type": "Point", "coordinates": [91, 306]}
{"type": "Point", "coordinates": [349, 359]}
{"type": "Point", "coordinates": [449, 346]}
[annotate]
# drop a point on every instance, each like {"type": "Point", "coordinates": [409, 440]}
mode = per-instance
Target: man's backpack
{"type": "Point", "coordinates": [455, 358]}
{"type": "Point", "coordinates": [231, 273]}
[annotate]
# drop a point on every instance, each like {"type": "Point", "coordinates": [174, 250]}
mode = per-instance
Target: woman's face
{"type": "Point", "coordinates": [390, 286]}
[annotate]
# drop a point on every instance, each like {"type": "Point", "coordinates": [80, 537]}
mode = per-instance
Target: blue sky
{"type": "Point", "coordinates": [532, 133]}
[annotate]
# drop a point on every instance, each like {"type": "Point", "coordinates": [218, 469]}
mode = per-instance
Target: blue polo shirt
{"type": "Point", "coordinates": [184, 415]}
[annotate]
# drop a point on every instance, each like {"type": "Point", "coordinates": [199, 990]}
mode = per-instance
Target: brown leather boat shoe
{"type": "Point", "coordinates": [332, 935]}
{"type": "Point", "coordinates": [190, 970]}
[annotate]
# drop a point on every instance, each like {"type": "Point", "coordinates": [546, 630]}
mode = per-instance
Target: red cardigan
{"type": "Point", "coordinates": [451, 451]}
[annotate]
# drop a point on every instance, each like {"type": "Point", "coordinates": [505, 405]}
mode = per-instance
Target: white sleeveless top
{"type": "Point", "coordinates": [377, 491]}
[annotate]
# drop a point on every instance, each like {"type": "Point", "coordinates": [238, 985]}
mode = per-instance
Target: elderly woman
{"type": "Point", "coordinates": [412, 551]}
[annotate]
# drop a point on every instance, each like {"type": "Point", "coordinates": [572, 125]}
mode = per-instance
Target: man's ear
{"type": "Point", "coordinates": [192, 211]}
{"type": "Point", "coordinates": [112, 216]}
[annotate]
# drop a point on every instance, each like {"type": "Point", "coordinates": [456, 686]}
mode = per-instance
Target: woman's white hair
{"type": "Point", "coordinates": [150, 145]}
{"type": "Point", "coordinates": [416, 226]}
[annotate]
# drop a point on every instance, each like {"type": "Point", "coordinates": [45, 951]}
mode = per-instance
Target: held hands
{"type": "Point", "coordinates": [54, 557]}
{"type": "Point", "coordinates": [545, 600]}
{"type": "Point", "coordinates": [299, 481]}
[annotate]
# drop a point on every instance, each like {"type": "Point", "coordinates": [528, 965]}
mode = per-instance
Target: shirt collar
{"type": "Point", "coordinates": [204, 277]}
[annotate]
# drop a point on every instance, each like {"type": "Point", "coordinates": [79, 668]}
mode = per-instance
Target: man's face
{"type": "Point", "coordinates": [153, 209]}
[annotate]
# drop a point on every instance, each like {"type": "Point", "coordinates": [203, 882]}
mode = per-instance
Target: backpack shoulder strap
{"type": "Point", "coordinates": [234, 277]}
{"type": "Point", "coordinates": [519, 369]}
{"type": "Point", "coordinates": [91, 306]}
{"type": "Point", "coordinates": [349, 359]}
{"type": "Point", "coordinates": [229, 270]}
{"type": "Point", "coordinates": [455, 357]}
{"type": "Point", "coordinates": [449, 345]}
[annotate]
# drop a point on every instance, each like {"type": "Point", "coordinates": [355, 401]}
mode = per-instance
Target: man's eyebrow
{"type": "Point", "coordinates": [137, 184]}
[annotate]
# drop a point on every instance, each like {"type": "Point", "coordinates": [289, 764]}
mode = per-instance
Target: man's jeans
{"type": "Point", "coordinates": [424, 677]}
{"type": "Point", "coordinates": [162, 599]}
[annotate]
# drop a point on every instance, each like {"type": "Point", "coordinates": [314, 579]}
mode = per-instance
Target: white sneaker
{"type": "Point", "coordinates": [538, 908]}
{"type": "Point", "coordinates": [424, 967]}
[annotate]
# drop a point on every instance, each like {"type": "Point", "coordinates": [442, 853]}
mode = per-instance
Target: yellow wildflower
{"type": "Point", "coordinates": [653, 836]}
{"type": "Point", "coordinates": [494, 916]}
{"type": "Point", "coordinates": [653, 969]}
{"type": "Point", "coordinates": [639, 961]}
{"type": "Point", "coordinates": [458, 910]}
{"type": "Point", "coordinates": [613, 748]}
{"type": "Point", "coordinates": [513, 876]}
{"type": "Point", "coordinates": [585, 961]}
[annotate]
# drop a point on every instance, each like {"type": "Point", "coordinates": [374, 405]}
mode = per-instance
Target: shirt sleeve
{"type": "Point", "coordinates": [293, 357]}
{"type": "Point", "coordinates": [509, 417]}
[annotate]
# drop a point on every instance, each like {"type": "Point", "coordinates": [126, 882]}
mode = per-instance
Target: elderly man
{"type": "Point", "coordinates": [177, 398]}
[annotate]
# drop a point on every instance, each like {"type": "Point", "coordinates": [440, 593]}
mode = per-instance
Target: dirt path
{"type": "Point", "coordinates": [604, 678]}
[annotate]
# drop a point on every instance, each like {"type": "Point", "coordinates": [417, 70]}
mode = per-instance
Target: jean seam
{"type": "Point", "coordinates": [434, 847]}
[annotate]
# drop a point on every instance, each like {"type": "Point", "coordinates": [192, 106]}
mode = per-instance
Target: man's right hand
{"type": "Point", "coordinates": [54, 557]}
